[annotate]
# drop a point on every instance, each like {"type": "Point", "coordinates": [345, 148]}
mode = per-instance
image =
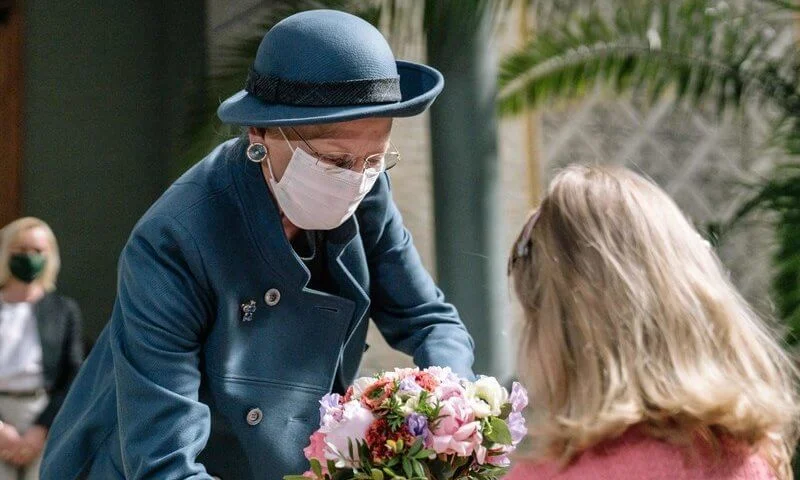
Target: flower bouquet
{"type": "Point", "coordinates": [416, 425]}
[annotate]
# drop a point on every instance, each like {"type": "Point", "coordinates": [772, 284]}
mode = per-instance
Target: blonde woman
{"type": "Point", "coordinates": [40, 344]}
{"type": "Point", "coordinates": [643, 361]}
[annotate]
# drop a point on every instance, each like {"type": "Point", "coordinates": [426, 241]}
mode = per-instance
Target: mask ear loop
{"type": "Point", "coordinates": [269, 160]}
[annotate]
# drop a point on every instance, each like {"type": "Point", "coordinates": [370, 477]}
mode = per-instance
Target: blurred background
{"type": "Point", "coordinates": [104, 104]}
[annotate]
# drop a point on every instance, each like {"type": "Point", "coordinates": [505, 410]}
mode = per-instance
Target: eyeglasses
{"type": "Point", "coordinates": [522, 249]}
{"type": "Point", "coordinates": [375, 162]}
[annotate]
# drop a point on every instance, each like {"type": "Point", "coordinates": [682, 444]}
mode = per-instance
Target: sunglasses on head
{"type": "Point", "coordinates": [522, 249]}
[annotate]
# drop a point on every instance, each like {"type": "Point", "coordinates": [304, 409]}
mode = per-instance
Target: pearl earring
{"type": "Point", "coordinates": [257, 152]}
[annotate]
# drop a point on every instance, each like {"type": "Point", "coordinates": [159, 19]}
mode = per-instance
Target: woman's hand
{"type": "Point", "coordinates": [10, 443]}
{"type": "Point", "coordinates": [31, 445]}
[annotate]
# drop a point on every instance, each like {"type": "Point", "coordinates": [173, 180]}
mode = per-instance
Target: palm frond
{"type": "Point", "coordinates": [786, 4]}
{"type": "Point", "coordinates": [781, 196]}
{"type": "Point", "coordinates": [703, 53]}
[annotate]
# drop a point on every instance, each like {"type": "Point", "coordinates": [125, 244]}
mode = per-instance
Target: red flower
{"type": "Point", "coordinates": [374, 395]}
{"type": "Point", "coordinates": [348, 395]}
{"type": "Point", "coordinates": [426, 381]}
{"type": "Point", "coordinates": [379, 433]}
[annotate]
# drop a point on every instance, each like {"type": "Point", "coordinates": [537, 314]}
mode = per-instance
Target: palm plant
{"type": "Point", "coordinates": [718, 55]}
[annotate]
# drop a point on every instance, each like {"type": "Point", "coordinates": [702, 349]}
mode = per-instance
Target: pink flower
{"type": "Point", "coordinates": [377, 393]}
{"type": "Point", "coordinates": [426, 381]}
{"type": "Point", "coordinates": [352, 426]}
{"type": "Point", "coordinates": [501, 460]}
{"type": "Point", "coordinates": [316, 449]}
{"type": "Point", "coordinates": [457, 432]}
{"type": "Point", "coordinates": [447, 391]}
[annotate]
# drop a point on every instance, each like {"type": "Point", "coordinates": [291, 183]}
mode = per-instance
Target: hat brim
{"type": "Point", "coordinates": [419, 86]}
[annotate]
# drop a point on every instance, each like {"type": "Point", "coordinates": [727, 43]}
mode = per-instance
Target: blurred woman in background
{"type": "Point", "coordinates": [40, 344]}
{"type": "Point", "coordinates": [642, 359]}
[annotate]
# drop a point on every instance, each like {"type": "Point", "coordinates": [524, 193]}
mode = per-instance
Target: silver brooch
{"type": "Point", "coordinates": [248, 309]}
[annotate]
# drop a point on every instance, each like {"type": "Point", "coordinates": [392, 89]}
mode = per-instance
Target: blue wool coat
{"type": "Point", "coordinates": [185, 384]}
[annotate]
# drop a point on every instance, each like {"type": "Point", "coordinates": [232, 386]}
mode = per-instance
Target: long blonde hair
{"type": "Point", "coordinates": [11, 232]}
{"type": "Point", "coordinates": [631, 320]}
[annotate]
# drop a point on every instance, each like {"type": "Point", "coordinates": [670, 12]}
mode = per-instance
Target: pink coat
{"type": "Point", "coordinates": [639, 457]}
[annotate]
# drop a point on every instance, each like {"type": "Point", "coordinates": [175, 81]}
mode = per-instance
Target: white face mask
{"type": "Point", "coordinates": [317, 196]}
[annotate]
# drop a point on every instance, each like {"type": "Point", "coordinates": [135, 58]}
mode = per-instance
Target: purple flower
{"type": "Point", "coordinates": [329, 406]}
{"type": "Point", "coordinates": [408, 385]}
{"type": "Point", "coordinates": [518, 397]}
{"type": "Point", "coordinates": [516, 425]}
{"type": "Point", "coordinates": [499, 460]}
{"type": "Point", "coordinates": [417, 424]}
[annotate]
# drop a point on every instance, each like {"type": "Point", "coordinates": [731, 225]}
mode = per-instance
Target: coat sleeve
{"type": "Point", "coordinates": [159, 322]}
{"type": "Point", "coordinates": [407, 307]}
{"type": "Point", "coordinates": [73, 357]}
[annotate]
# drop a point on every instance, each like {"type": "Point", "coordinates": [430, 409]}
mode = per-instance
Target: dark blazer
{"type": "Point", "coordinates": [59, 321]}
{"type": "Point", "coordinates": [184, 383]}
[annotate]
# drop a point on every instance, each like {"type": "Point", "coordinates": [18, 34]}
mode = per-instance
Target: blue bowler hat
{"type": "Point", "coordinates": [323, 66]}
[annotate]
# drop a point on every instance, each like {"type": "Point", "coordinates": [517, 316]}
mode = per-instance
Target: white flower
{"type": "Point", "coordinates": [400, 373]}
{"type": "Point", "coordinates": [487, 396]}
{"type": "Point", "coordinates": [361, 384]}
{"type": "Point", "coordinates": [443, 374]}
{"type": "Point", "coordinates": [410, 405]}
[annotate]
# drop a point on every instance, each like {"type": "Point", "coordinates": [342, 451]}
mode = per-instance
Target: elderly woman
{"type": "Point", "coordinates": [245, 291]}
{"type": "Point", "coordinates": [643, 361]}
{"type": "Point", "coordinates": [40, 344]}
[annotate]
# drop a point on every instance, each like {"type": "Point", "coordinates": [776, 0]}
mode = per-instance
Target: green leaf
{"type": "Point", "coordinates": [415, 448]}
{"type": "Point", "coordinates": [407, 469]}
{"type": "Point", "coordinates": [422, 454]}
{"type": "Point", "coordinates": [418, 470]}
{"type": "Point", "coordinates": [505, 411]}
{"type": "Point", "coordinates": [498, 432]}
{"type": "Point", "coordinates": [391, 473]}
{"type": "Point", "coordinates": [377, 475]}
{"type": "Point", "coordinates": [316, 467]}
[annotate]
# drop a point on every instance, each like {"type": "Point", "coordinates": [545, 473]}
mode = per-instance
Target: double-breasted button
{"type": "Point", "coordinates": [272, 297]}
{"type": "Point", "coordinates": [254, 416]}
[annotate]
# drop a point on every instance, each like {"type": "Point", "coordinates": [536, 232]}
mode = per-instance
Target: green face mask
{"type": "Point", "coordinates": [27, 266]}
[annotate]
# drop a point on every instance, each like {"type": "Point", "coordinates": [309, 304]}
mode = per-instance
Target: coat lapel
{"type": "Point", "coordinates": [339, 241]}
{"type": "Point", "coordinates": [263, 217]}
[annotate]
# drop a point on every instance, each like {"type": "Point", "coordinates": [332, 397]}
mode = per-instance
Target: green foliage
{"type": "Point", "coordinates": [496, 430]}
{"type": "Point", "coordinates": [704, 54]}
{"type": "Point", "coordinates": [394, 413]}
{"type": "Point", "coordinates": [787, 4]}
{"type": "Point", "coordinates": [781, 195]}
